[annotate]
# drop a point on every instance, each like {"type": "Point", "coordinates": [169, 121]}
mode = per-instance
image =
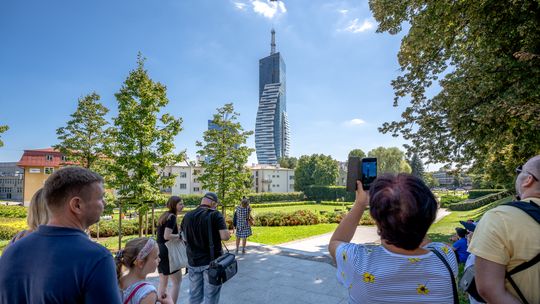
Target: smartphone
{"type": "Point", "coordinates": [369, 171]}
{"type": "Point", "coordinates": [361, 169]}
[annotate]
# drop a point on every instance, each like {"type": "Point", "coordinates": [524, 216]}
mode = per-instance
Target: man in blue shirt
{"type": "Point", "coordinates": [460, 246]}
{"type": "Point", "coordinates": [58, 263]}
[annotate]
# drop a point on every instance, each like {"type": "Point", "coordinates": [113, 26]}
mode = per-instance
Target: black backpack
{"type": "Point", "coordinates": [467, 282]}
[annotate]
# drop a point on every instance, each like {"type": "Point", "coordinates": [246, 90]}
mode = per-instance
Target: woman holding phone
{"type": "Point", "coordinates": [401, 269]}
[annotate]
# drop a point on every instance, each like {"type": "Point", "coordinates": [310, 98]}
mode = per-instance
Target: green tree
{"type": "Point", "coordinates": [288, 162]}
{"type": "Point", "coordinates": [316, 169]}
{"type": "Point", "coordinates": [485, 56]}
{"type": "Point", "coordinates": [417, 167]}
{"type": "Point", "coordinates": [357, 153]}
{"type": "Point", "coordinates": [143, 140]}
{"type": "Point", "coordinates": [3, 128]}
{"type": "Point", "coordinates": [430, 180]}
{"type": "Point", "coordinates": [85, 136]}
{"type": "Point", "coordinates": [404, 167]}
{"type": "Point", "coordinates": [224, 168]}
{"type": "Point", "coordinates": [389, 160]}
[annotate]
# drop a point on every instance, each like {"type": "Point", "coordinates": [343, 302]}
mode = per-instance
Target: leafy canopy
{"type": "Point", "coordinates": [316, 169]}
{"type": "Point", "coordinates": [487, 110]}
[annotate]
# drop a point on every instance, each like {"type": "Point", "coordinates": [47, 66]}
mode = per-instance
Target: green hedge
{"type": "Point", "coordinates": [7, 232]}
{"type": "Point", "coordinates": [282, 204]}
{"type": "Point", "coordinates": [299, 217]}
{"type": "Point", "coordinates": [109, 228]}
{"type": "Point", "coordinates": [447, 200]}
{"type": "Point", "coordinates": [336, 203]}
{"type": "Point", "coordinates": [275, 197]}
{"type": "Point", "coordinates": [476, 193]}
{"type": "Point", "coordinates": [13, 211]}
{"type": "Point", "coordinates": [480, 202]}
{"type": "Point", "coordinates": [328, 193]}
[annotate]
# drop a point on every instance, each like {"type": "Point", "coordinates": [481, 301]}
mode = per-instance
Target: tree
{"type": "Point", "coordinates": [486, 55]}
{"type": "Point", "coordinates": [224, 168]}
{"type": "Point", "coordinates": [357, 153]}
{"type": "Point", "coordinates": [389, 160]}
{"type": "Point", "coordinates": [288, 162]}
{"type": "Point", "coordinates": [417, 167]}
{"type": "Point", "coordinates": [85, 136]}
{"type": "Point", "coordinates": [316, 169]}
{"type": "Point", "coordinates": [3, 129]}
{"type": "Point", "coordinates": [430, 180]}
{"type": "Point", "coordinates": [143, 140]}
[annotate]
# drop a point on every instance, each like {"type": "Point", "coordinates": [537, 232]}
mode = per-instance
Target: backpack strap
{"type": "Point", "coordinates": [533, 211]}
{"type": "Point", "coordinates": [132, 294]}
{"type": "Point", "coordinates": [454, 287]}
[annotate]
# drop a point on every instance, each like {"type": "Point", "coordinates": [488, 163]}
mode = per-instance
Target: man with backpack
{"type": "Point", "coordinates": [506, 243]}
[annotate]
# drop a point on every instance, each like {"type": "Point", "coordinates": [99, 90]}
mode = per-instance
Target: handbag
{"type": "Point", "coordinates": [224, 267]}
{"type": "Point", "coordinates": [468, 284]}
{"type": "Point", "coordinates": [177, 254]}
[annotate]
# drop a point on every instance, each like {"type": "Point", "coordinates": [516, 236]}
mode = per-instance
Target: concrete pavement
{"type": "Point", "coordinates": [296, 272]}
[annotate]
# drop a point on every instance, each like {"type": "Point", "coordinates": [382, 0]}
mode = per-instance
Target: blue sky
{"type": "Point", "coordinates": [206, 52]}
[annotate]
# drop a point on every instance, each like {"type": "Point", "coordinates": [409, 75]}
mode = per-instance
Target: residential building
{"type": "Point", "coordinates": [11, 182]}
{"type": "Point", "coordinates": [267, 178]}
{"type": "Point", "coordinates": [186, 181]}
{"type": "Point", "coordinates": [448, 180]}
{"type": "Point", "coordinates": [272, 127]}
{"type": "Point", "coordinates": [38, 165]}
{"type": "Point", "coordinates": [342, 177]}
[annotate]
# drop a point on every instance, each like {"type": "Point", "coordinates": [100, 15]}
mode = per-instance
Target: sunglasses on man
{"type": "Point", "coordinates": [520, 169]}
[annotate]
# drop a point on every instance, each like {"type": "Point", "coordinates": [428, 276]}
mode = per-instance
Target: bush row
{"type": "Point", "coordinates": [480, 202]}
{"type": "Point", "coordinates": [476, 193]}
{"type": "Point", "coordinates": [109, 228]}
{"type": "Point", "coordinates": [305, 217]}
{"type": "Point", "coordinates": [12, 211]}
{"type": "Point", "coordinates": [336, 203]}
{"type": "Point", "coordinates": [328, 193]}
{"type": "Point", "coordinates": [447, 200]}
{"type": "Point", "coordinates": [10, 226]}
{"type": "Point", "coordinates": [195, 199]}
{"type": "Point", "coordinates": [280, 204]}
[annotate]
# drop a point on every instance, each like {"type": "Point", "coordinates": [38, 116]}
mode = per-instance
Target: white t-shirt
{"type": "Point", "coordinates": [373, 274]}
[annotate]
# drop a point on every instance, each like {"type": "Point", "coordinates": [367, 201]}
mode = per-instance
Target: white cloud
{"type": "Point", "coordinates": [354, 122]}
{"type": "Point", "coordinates": [343, 11]}
{"type": "Point", "coordinates": [356, 27]}
{"type": "Point", "coordinates": [240, 5]}
{"type": "Point", "coordinates": [268, 9]}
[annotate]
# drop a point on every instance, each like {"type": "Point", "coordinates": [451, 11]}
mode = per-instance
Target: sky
{"type": "Point", "coordinates": [206, 52]}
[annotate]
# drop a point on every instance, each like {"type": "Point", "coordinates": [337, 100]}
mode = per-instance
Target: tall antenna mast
{"type": "Point", "coordinates": [273, 43]}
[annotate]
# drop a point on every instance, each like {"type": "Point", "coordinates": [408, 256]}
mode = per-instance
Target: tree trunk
{"type": "Point", "coordinates": [140, 224]}
{"type": "Point", "coordinates": [120, 226]}
{"type": "Point", "coordinates": [97, 230]}
{"type": "Point", "coordinates": [146, 224]}
{"type": "Point", "coordinates": [153, 221]}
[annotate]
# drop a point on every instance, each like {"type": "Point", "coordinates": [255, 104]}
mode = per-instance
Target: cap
{"type": "Point", "coordinates": [212, 196]}
{"type": "Point", "coordinates": [468, 226]}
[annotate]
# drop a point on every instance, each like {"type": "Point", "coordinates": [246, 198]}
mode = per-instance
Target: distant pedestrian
{"type": "Point", "coordinates": [195, 227]}
{"type": "Point", "coordinates": [460, 245]}
{"type": "Point", "coordinates": [58, 263]}
{"type": "Point", "coordinates": [168, 230]}
{"type": "Point", "coordinates": [140, 257]}
{"type": "Point", "coordinates": [243, 224]}
{"type": "Point", "coordinates": [402, 269]}
{"type": "Point", "coordinates": [38, 214]}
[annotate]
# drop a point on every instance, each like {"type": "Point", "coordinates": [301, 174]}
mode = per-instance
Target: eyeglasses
{"type": "Point", "coordinates": [520, 169]}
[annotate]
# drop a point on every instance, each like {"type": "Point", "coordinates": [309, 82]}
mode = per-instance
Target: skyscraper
{"type": "Point", "coordinates": [272, 126]}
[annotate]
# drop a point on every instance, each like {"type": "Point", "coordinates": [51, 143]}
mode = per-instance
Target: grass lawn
{"type": "Point", "coordinates": [445, 228]}
{"type": "Point", "coordinates": [284, 234]}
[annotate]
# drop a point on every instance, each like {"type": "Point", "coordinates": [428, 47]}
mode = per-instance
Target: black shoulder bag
{"type": "Point", "coordinates": [454, 287]}
{"type": "Point", "coordinates": [224, 267]}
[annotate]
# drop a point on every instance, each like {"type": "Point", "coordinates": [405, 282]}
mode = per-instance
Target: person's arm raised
{"type": "Point", "coordinates": [346, 228]}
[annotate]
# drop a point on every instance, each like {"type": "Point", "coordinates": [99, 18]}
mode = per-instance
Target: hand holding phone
{"type": "Point", "coordinates": [364, 170]}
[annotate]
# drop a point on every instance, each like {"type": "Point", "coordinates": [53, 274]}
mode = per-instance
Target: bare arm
{"type": "Point", "coordinates": [490, 278]}
{"type": "Point", "coordinates": [225, 234]}
{"type": "Point", "coordinates": [345, 230]}
{"type": "Point", "coordinates": [151, 298]}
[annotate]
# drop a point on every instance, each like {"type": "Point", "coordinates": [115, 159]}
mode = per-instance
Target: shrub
{"type": "Point", "coordinates": [280, 204]}
{"type": "Point", "coordinates": [476, 193]}
{"type": "Point", "coordinates": [336, 203]}
{"type": "Point", "coordinates": [13, 211]}
{"type": "Point", "coordinates": [275, 197]}
{"type": "Point", "coordinates": [328, 193]}
{"type": "Point", "coordinates": [109, 228]}
{"type": "Point", "coordinates": [447, 200]}
{"type": "Point", "coordinates": [299, 217]}
{"type": "Point", "coordinates": [191, 199]}
{"type": "Point", "coordinates": [480, 202]}
{"type": "Point", "coordinates": [336, 217]}
{"type": "Point", "coordinates": [10, 226]}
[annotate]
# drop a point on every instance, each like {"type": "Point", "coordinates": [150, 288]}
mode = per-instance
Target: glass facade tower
{"type": "Point", "coordinates": [272, 126]}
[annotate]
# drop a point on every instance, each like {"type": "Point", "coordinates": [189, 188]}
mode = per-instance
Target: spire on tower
{"type": "Point", "coordinates": [273, 43]}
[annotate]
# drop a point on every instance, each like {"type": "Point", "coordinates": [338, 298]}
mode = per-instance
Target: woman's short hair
{"type": "Point", "coordinates": [38, 214]}
{"type": "Point", "coordinates": [403, 208]}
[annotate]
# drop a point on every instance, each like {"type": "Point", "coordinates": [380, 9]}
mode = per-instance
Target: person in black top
{"type": "Point", "coordinates": [167, 229]}
{"type": "Point", "coordinates": [195, 228]}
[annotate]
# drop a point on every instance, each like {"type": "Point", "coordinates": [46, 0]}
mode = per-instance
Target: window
{"type": "Point", "coordinates": [64, 158]}
{"type": "Point", "coordinates": [196, 189]}
{"type": "Point", "coordinates": [277, 176]}
{"type": "Point", "coordinates": [49, 157]}
{"type": "Point", "coordinates": [273, 176]}
{"type": "Point", "coordinates": [291, 177]}
{"type": "Point", "coordinates": [183, 174]}
{"type": "Point", "coordinates": [183, 186]}
{"type": "Point", "coordinates": [49, 170]}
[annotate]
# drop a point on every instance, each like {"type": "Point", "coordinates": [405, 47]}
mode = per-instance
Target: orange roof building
{"type": "Point", "coordinates": [38, 165]}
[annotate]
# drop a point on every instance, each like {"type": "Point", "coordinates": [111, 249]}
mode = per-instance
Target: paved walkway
{"type": "Point", "coordinates": [298, 272]}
